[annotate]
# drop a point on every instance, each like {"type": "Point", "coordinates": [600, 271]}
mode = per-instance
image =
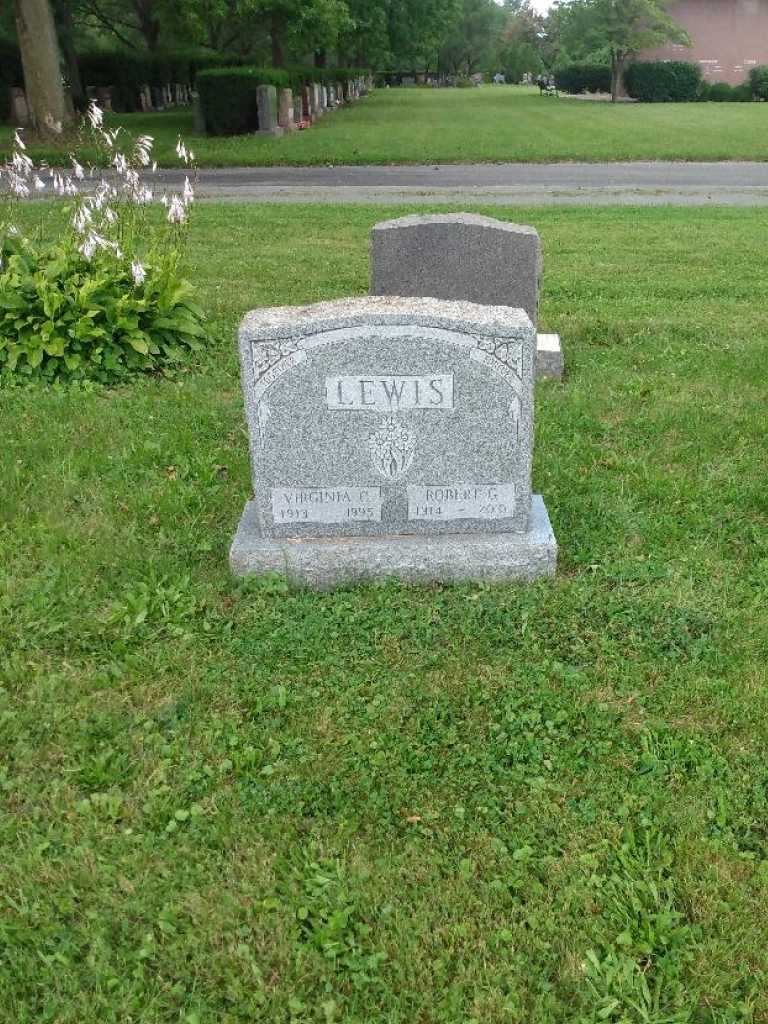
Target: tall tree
{"type": "Point", "coordinates": [473, 35]}
{"type": "Point", "coordinates": [48, 103]}
{"type": "Point", "coordinates": [621, 27]}
{"type": "Point", "coordinates": [520, 48]}
{"type": "Point", "coordinates": [131, 22]}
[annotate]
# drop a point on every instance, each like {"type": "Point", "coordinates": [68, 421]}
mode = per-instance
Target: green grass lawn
{"type": "Point", "coordinates": [226, 801]}
{"type": "Point", "coordinates": [476, 125]}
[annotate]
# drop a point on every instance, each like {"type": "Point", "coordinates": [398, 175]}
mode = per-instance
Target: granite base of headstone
{"type": "Point", "coordinates": [391, 437]}
{"type": "Point", "coordinates": [468, 258]}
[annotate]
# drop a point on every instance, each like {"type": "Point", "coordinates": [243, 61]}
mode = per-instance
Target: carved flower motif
{"type": "Point", "coordinates": [392, 448]}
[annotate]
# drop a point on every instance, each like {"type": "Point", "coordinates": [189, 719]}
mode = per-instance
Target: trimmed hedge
{"type": "Point", "coordinates": [228, 97]}
{"type": "Point", "coordinates": [723, 92]}
{"type": "Point", "coordinates": [758, 82]}
{"type": "Point", "coordinates": [128, 73]}
{"type": "Point", "coordinates": [576, 78]}
{"type": "Point", "coordinates": [662, 81]}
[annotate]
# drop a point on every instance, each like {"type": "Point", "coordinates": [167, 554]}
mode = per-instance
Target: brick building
{"type": "Point", "coordinates": [729, 37]}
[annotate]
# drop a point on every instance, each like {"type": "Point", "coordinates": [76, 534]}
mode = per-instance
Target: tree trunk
{"type": "Point", "coordinates": [48, 106]}
{"type": "Point", "coordinates": [617, 70]}
{"type": "Point", "coordinates": [321, 59]}
{"type": "Point", "coordinates": [276, 37]}
{"type": "Point", "coordinates": [63, 19]}
{"type": "Point", "coordinates": [149, 26]}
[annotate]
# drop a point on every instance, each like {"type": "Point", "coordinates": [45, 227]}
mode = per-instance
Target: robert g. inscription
{"type": "Point", "coordinates": [466, 501]}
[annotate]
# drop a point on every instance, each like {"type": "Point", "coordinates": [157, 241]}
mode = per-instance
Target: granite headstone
{"type": "Point", "coordinates": [465, 257]}
{"type": "Point", "coordinates": [266, 104]}
{"type": "Point", "coordinates": [391, 436]}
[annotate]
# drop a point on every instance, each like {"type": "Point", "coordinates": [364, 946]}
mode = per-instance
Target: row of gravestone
{"type": "Point", "coordinates": [150, 98]}
{"type": "Point", "coordinates": [393, 435]}
{"type": "Point", "coordinates": [278, 111]}
{"type": "Point", "coordinates": [285, 110]}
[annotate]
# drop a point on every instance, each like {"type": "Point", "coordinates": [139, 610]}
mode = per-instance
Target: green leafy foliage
{"type": "Point", "coordinates": [658, 81]}
{"type": "Point", "coordinates": [758, 81]}
{"type": "Point", "coordinates": [64, 317]}
{"type": "Point", "coordinates": [576, 78]}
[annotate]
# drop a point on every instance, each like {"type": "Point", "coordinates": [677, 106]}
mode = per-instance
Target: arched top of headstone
{"type": "Point", "coordinates": [461, 256]}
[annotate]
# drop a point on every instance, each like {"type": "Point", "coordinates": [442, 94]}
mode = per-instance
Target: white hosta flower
{"type": "Point", "coordinates": [138, 272]}
{"type": "Point", "coordinates": [88, 247]}
{"type": "Point", "coordinates": [70, 188]}
{"type": "Point", "coordinates": [22, 164]}
{"type": "Point", "coordinates": [19, 187]}
{"type": "Point", "coordinates": [144, 195]}
{"type": "Point", "coordinates": [110, 137]}
{"type": "Point", "coordinates": [13, 231]}
{"type": "Point", "coordinates": [82, 219]}
{"type": "Point", "coordinates": [39, 183]}
{"type": "Point", "coordinates": [154, 166]}
{"type": "Point", "coordinates": [143, 149]}
{"type": "Point", "coordinates": [17, 139]}
{"type": "Point", "coordinates": [181, 151]}
{"type": "Point", "coordinates": [95, 114]}
{"type": "Point", "coordinates": [189, 192]}
{"type": "Point", "coordinates": [191, 157]}
{"type": "Point", "coordinates": [110, 216]}
{"type": "Point", "coordinates": [120, 163]}
{"type": "Point", "coordinates": [177, 214]}
{"type": "Point", "coordinates": [78, 170]}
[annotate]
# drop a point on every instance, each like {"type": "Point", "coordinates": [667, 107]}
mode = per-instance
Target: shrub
{"type": "Point", "coordinates": [741, 94]}
{"type": "Point", "coordinates": [576, 78]}
{"type": "Point", "coordinates": [758, 81]}
{"type": "Point", "coordinates": [720, 92]}
{"type": "Point", "coordinates": [105, 299]}
{"type": "Point", "coordinates": [63, 316]}
{"type": "Point", "coordinates": [228, 97]}
{"type": "Point", "coordinates": [673, 81]}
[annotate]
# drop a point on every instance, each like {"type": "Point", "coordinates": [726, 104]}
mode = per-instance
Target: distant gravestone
{"type": "Point", "coordinates": [285, 110]}
{"type": "Point", "coordinates": [19, 107]}
{"type": "Point", "coordinates": [465, 257]}
{"type": "Point", "coordinates": [391, 437]}
{"type": "Point", "coordinates": [266, 105]}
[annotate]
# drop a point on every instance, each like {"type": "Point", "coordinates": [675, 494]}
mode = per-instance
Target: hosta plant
{"type": "Point", "coordinates": [105, 298]}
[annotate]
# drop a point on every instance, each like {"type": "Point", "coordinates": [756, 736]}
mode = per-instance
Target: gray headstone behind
{"type": "Point", "coordinates": [459, 256]}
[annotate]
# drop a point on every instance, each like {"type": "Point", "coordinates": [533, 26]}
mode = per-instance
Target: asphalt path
{"type": "Point", "coordinates": [646, 183]}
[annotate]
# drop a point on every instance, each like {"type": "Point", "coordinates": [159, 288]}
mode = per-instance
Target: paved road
{"type": "Point", "coordinates": [684, 184]}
